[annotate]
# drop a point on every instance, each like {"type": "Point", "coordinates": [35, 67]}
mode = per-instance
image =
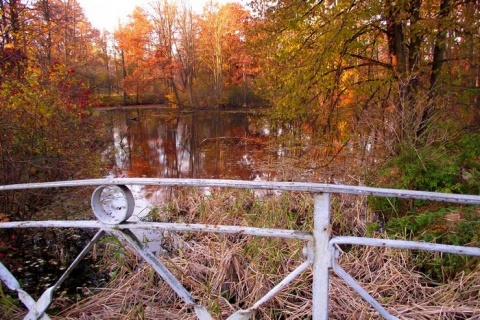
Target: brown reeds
{"type": "Point", "coordinates": [388, 276]}
{"type": "Point", "coordinates": [226, 273]}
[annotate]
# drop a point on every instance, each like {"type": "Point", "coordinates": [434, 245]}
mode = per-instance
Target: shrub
{"type": "Point", "coordinates": [452, 167]}
{"type": "Point", "coordinates": [454, 226]}
{"type": "Point", "coordinates": [47, 133]}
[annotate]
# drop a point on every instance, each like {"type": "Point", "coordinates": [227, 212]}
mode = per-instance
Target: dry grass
{"type": "Point", "coordinates": [388, 276]}
{"type": "Point", "coordinates": [227, 273]}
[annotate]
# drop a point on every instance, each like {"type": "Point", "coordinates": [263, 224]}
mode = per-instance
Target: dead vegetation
{"type": "Point", "coordinates": [227, 273]}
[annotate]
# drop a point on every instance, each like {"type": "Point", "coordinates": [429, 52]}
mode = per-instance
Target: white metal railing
{"type": "Point", "coordinates": [320, 250]}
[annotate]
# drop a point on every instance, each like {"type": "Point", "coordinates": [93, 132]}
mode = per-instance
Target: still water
{"type": "Point", "coordinates": [210, 144]}
{"type": "Point", "coordinates": [160, 143]}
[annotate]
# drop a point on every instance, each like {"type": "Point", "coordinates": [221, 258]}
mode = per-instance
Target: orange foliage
{"type": "Point", "coordinates": [134, 41]}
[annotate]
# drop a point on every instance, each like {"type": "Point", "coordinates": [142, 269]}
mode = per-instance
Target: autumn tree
{"type": "Point", "coordinates": [387, 71]}
{"type": "Point", "coordinates": [46, 118]}
{"type": "Point", "coordinates": [62, 35]}
{"type": "Point", "coordinates": [220, 45]}
{"type": "Point", "coordinates": [10, 11]}
{"type": "Point", "coordinates": [13, 15]}
{"type": "Point", "coordinates": [169, 51]}
{"type": "Point", "coordinates": [165, 28]}
{"type": "Point", "coordinates": [241, 63]}
{"type": "Point", "coordinates": [103, 71]}
{"type": "Point", "coordinates": [138, 58]}
{"type": "Point", "coordinates": [186, 55]}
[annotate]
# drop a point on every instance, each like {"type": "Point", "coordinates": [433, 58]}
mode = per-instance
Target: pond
{"type": "Point", "coordinates": [161, 143]}
{"type": "Point", "coordinates": [158, 142]}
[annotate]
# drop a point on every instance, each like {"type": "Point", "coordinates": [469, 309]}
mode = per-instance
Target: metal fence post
{"type": "Point", "coordinates": [322, 259]}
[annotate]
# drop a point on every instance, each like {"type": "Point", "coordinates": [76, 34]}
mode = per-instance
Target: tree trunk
{"type": "Point", "coordinates": [437, 63]}
{"type": "Point", "coordinates": [396, 50]}
{"type": "Point", "coordinates": [124, 75]}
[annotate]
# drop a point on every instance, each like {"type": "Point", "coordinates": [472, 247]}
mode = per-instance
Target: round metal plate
{"type": "Point", "coordinates": [113, 204]}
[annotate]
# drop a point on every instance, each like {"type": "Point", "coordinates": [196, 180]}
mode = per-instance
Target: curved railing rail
{"type": "Point", "coordinates": [320, 249]}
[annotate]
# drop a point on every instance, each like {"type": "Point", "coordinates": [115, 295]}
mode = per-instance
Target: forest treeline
{"type": "Point", "coordinates": [394, 86]}
{"type": "Point", "coordinates": [163, 53]}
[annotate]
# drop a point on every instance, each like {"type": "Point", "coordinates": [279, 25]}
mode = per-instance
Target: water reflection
{"type": "Point", "coordinates": [160, 143]}
{"type": "Point", "coordinates": [207, 144]}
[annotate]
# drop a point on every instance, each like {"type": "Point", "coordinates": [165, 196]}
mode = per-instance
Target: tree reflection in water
{"type": "Point", "coordinates": [159, 143]}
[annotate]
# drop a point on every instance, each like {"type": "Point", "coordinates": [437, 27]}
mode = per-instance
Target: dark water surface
{"type": "Point", "coordinates": [160, 143]}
